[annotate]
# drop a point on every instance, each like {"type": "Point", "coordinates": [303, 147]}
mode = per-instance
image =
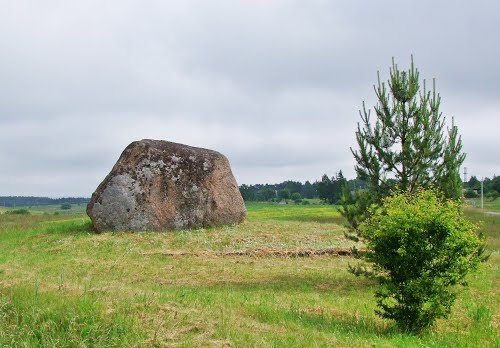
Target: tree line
{"type": "Point", "coordinates": [328, 189]}
{"type": "Point", "coordinates": [23, 201]}
{"type": "Point", "coordinates": [491, 187]}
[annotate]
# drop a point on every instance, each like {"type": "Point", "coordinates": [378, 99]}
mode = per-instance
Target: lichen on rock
{"type": "Point", "coordinates": [160, 185]}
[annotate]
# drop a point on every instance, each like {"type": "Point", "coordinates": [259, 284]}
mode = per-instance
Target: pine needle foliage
{"type": "Point", "coordinates": [407, 144]}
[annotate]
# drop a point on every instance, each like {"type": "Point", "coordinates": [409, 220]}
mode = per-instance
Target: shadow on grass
{"type": "Point", "coordinates": [360, 325]}
{"type": "Point", "coordinates": [339, 220]}
{"type": "Point", "coordinates": [286, 301]}
{"type": "Point", "coordinates": [347, 286]}
{"type": "Point", "coordinates": [304, 283]}
{"type": "Point", "coordinates": [315, 303]}
{"type": "Point", "coordinates": [299, 302]}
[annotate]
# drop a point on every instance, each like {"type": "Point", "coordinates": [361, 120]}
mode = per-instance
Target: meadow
{"type": "Point", "coordinates": [264, 283]}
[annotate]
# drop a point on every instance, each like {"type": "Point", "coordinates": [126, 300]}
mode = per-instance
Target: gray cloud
{"type": "Point", "coordinates": [274, 85]}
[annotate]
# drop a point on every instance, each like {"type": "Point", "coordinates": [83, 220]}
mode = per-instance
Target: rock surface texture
{"type": "Point", "coordinates": [159, 185]}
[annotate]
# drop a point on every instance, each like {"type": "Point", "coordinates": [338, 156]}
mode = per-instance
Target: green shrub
{"type": "Point", "coordinates": [296, 197]}
{"type": "Point", "coordinates": [18, 212]}
{"type": "Point", "coordinates": [284, 194]}
{"type": "Point", "coordinates": [470, 193]}
{"type": "Point", "coordinates": [492, 195]}
{"type": "Point", "coordinates": [421, 247]}
{"type": "Point", "coordinates": [65, 206]}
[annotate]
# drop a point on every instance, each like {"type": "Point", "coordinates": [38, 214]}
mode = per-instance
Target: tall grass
{"type": "Point", "coordinates": [32, 318]}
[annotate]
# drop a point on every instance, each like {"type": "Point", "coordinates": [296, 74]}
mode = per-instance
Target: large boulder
{"type": "Point", "coordinates": [159, 185]}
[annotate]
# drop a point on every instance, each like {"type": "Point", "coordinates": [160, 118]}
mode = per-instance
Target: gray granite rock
{"type": "Point", "coordinates": [160, 185]}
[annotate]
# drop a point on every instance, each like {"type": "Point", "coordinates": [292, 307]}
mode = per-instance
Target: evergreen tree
{"type": "Point", "coordinates": [330, 190]}
{"type": "Point", "coordinates": [266, 194]}
{"type": "Point", "coordinates": [474, 183]}
{"type": "Point", "coordinates": [407, 145]}
{"type": "Point", "coordinates": [247, 193]}
{"type": "Point", "coordinates": [340, 176]}
{"type": "Point", "coordinates": [324, 188]}
{"type": "Point", "coordinates": [495, 184]}
{"type": "Point", "coordinates": [308, 190]}
{"type": "Point", "coordinates": [340, 185]}
{"type": "Point", "coordinates": [284, 194]}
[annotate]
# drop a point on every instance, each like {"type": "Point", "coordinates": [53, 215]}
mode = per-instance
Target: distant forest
{"type": "Point", "coordinates": [328, 189]}
{"type": "Point", "coordinates": [491, 187]}
{"type": "Point", "coordinates": [19, 201]}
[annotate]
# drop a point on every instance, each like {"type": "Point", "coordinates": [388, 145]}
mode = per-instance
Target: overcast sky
{"type": "Point", "coordinates": [274, 85]}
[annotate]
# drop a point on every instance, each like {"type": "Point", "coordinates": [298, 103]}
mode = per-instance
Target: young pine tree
{"type": "Point", "coordinates": [407, 143]}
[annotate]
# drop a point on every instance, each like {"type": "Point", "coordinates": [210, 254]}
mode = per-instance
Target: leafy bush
{"type": "Point", "coordinates": [421, 247]}
{"type": "Point", "coordinates": [492, 195]}
{"type": "Point", "coordinates": [470, 193]}
{"type": "Point", "coordinates": [284, 194]}
{"type": "Point", "coordinates": [18, 212]}
{"type": "Point", "coordinates": [296, 197]}
{"type": "Point", "coordinates": [65, 206]}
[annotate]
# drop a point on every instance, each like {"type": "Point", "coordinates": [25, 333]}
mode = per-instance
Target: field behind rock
{"type": "Point", "coordinates": [277, 280]}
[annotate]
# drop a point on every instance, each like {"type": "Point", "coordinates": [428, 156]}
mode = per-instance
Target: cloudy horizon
{"type": "Point", "coordinates": [274, 85]}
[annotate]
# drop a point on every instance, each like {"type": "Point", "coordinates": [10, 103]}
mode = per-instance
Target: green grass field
{"type": "Point", "coordinates": [235, 286]}
{"type": "Point", "coordinates": [489, 205]}
{"type": "Point", "coordinates": [492, 205]}
{"type": "Point", "coordinates": [50, 209]}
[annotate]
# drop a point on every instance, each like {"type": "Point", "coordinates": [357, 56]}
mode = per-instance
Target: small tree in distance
{"type": "Point", "coordinates": [330, 190]}
{"type": "Point", "coordinates": [65, 206]}
{"type": "Point", "coordinates": [284, 194]}
{"type": "Point", "coordinates": [296, 197]}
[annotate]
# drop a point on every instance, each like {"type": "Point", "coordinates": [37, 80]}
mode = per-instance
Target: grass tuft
{"type": "Point", "coordinates": [46, 319]}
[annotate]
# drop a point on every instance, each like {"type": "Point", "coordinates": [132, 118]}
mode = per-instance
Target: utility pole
{"type": "Point", "coordinates": [482, 199]}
